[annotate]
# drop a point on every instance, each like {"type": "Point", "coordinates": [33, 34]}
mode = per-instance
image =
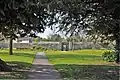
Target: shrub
{"type": "Point", "coordinates": [39, 48]}
{"type": "Point", "coordinates": [109, 56]}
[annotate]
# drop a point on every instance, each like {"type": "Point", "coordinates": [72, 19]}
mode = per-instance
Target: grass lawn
{"type": "Point", "coordinates": [83, 65]}
{"type": "Point", "coordinates": [20, 62]}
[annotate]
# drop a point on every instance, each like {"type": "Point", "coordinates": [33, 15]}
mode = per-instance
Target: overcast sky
{"type": "Point", "coordinates": [46, 33]}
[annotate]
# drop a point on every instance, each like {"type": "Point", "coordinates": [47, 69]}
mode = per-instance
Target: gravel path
{"type": "Point", "coordinates": [42, 69]}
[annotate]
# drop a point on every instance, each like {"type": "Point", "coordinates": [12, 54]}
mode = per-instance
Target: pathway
{"type": "Point", "coordinates": [42, 69]}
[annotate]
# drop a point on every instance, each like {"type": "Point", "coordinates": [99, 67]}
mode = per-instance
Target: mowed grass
{"type": "Point", "coordinates": [20, 62]}
{"type": "Point", "coordinates": [18, 55]}
{"type": "Point", "coordinates": [87, 57]}
{"type": "Point", "coordinates": [83, 65]}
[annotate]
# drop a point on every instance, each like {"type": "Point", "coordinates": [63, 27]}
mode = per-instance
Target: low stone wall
{"type": "Point", "coordinates": [51, 45]}
{"type": "Point", "coordinates": [22, 45]}
{"type": "Point", "coordinates": [56, 45]}
{"type": "Point", "coordinates": [16, 45]}
{"type": "Point", "coordinates": [4, 45]}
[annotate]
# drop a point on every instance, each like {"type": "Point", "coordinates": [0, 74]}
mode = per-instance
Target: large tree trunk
{"type": "Point", "coordinates": [11, 46]}
{"type": "Point", "coordinates": [4, 67]}
{"type": "Point", "coordinates": [118, 50]}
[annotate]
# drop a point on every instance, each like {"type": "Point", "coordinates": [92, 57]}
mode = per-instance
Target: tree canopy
{"type": "Point", "coordinates": [99, 17]}
{"type": "Point", "coordinates": [93, 16]}
{"type": "Point", "coordinates": [96, 17]}
{"type": "Point", "coordinates": [21, 18]}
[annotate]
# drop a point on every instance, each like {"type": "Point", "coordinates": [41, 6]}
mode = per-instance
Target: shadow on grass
{"type": "Point", "coordinates": [19, 70]}
{"type": "Point", "coordinates": [19, 66]}
{"type": "Point", "coordinates": [88, 72]}
{"type": "Point", "coordinates": [24, 54]}
{"type": "Point", "coordinates": [43, 72]}
{"type": "Point", "coordinates": [67, 71]}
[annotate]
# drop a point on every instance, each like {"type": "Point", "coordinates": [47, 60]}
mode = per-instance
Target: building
{"type": "Point", "coordinates": [25, 40]}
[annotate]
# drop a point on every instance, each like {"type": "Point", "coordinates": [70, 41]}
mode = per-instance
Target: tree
{"type": "Point", "coordinates": [1, 37]}
{"type": "Point", "coordinates": [77, 38]}
{"type": "Point", "coordinates": [24, 17]}
{"type": "Point", "coordinates": [98, 17]}
{"type": "Point", "coordinates": [21, 18]}
{"type": "Point", "coordinates": [55, 37]}
{"type": "Point", "coordinates": [107, 25]}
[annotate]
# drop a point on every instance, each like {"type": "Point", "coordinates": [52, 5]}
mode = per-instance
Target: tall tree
{"type": "Point", "coordinates": [22, 17]}
{"type": "Point", "coordinates": [1, 37]}
{"type": "Point", "coordinates": [98, 17]}
{"type": "Point", "coordinates": [55, 37]}
{"type": "Point", "coordinates": [107, 23]}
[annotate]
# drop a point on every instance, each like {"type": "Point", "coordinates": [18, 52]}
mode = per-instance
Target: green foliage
{"type": "Point", "coordinates": [36, 40]}
{"type": "Point", "coordinates": [23, 17]}
{"type": "Point", "coordinates": [55, 37]}
{"type": "Point", "coordinates": [109, 56]}
{"type": "Point", "coordinates": [19, 18]}
{"type": "Point", "coordinates": [39, 48]}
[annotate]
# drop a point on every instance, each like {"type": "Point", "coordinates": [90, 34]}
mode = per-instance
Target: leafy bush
{"type": "Point", "coordinates": [39, 48]}
{"type": "Point", "coordinates": [109, 56]}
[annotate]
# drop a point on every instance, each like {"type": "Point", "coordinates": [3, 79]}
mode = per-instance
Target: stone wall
{"type": "Point", "coordinates": [16, 45]}
{"type": "Point", "coordinates": [51, 45]}
{"type": "Point", "coordinates": [3, 45]}
{"type": "Point", "coordinates": [56, 45]}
